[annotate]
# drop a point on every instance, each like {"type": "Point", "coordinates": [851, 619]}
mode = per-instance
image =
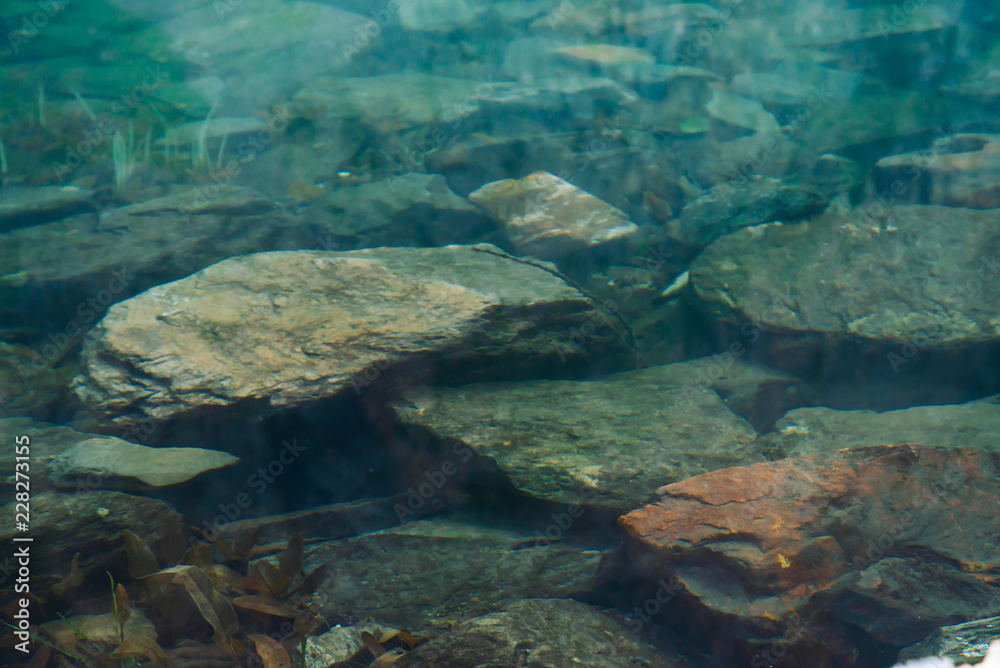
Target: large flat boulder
{"type": "Point", "coordinates": [289, 328]}
{"type": "Point", "coordinates": [609, 442]}
{"type": "Point", "coordinates": [884, 294]}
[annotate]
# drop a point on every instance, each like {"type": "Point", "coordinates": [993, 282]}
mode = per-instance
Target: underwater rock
{"type": "Point", "coordinates": [772, 154]}
{"type": "Point", "coordinates": [833, 174]}
{"type": "Point", "coordinates": [897, 297]}
{"type": "Point", "coordinates": [958, 170]}
{"type": "Point", "coordinates": [112, 463]}
{"type": "Point", "coordinates": [757, 394]}
{"type": "Point", "coordinates": [796, 556]}
{"type": "Point", "coordinates": [439, 16]}
{"type": "Point", "coordinates": [24, 207]}
{"type": "Point", "coordinates": [740, 111]}
{"type": "Point", "coordinates": [268, 47]}
{"type": "Point", "coordinates": [831, 125]}
{"type": "Point", "coordinates": [540, 632]}
{"type": "Point", "coordinates": [434, 572]}
{"type": "Point", "coordinates": [343, 520]}
{"type": "Point", "coordinates": [91, 523]}
{"type": "Point", "coordinates": [609, 442]}
{"type": "Point", "coordinates": [293, 327]}
{"type": "Point", "coordinates": [551, 219]}
{"type": "Point", "coordinates": [906, 44]}
{"type": "Point", "coordinates": [61, 276]}
{"type": "Point", "coordinates": [407, 210]}
{"type": "Point", "coordinates": [604, 54]}
{"type": "Point", "coordinates": [34, 380]}
{"type": "Point", "coordinates": [340, 643]}
{"type": "Point", "coordinates": [791, 84]}
{"type": "Point", "coordinates": [444, 107]}
{"type": "Point", "coordinates": [817, 429]}
{"type": "Point", "coordinates": [728, 207]}
{"type": "Point", "coordinates": [46, 441]}
{"type": "Point", "coordinates": [960, 642]}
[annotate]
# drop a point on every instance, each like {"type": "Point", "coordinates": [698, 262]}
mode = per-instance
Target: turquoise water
{"type": "Point", "coordinates": [472, 333]}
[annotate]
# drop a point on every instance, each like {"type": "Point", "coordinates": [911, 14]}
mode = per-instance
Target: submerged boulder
{"type": "Point", "coordinates": [112, 462]}
{"type": "Point", "coordinates": [876, 294]}
{"type": "Point", "coordinates": [549, 218]}
{"type": "Point", "coordinates": [288, 328]}
{"type": "Point", "coordinates": [609, 442]}
{"type": "Point", "coordinates": [797, 556]}
{"type": "Point", "coordinates": [61, 276]}
{"type": "Point", "coordinates": [540, 632]}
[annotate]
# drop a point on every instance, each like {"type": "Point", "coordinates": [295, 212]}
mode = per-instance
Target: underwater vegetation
{"type": "Point", "coordinates": [259, 612]}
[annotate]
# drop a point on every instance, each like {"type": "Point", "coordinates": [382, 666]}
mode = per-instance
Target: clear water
{"type": "Point", "coordinates": [442, 289]}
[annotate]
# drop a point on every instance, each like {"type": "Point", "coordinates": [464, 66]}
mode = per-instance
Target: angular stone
{"type": "Point", "coordinates": [432, 573]}
{"type": "Point", "coordinates": [91, 523]}
{"type": "Point", "coordinates": [958, 170]}
{"type": "Point", "coordinates": [22, 207]}
{"type": "Point", "coordinates": [272, 47]}
{"type": "Point", "coordinates": [727, 208]}
{"type": "Point", "coordinates": [61, 276]}
{"type": "Point", "coordinates": [817, 430]}
{"type": "Point", "coordinates": [959, 642]}
{"type": "Point", "coordinates": [551, 219]}
{"type": "Point", "coordinates": [610, 442]}
{"type": "Point", "coordinates": [605, 54]}
{"type": "Point", "coordinates": [445, 106]}
{"type": "Point", "coordinates": [439, 16]}
{"type": "Point", "coordinates": [890, 540]}
{"type": "Point", "coordinates": [540, 632]}
{"type": "Point", "coordinates": [340, 643]}
{"type": "Point", "coordinates": [119, 464]}
{"type": "Point", "coordinates": [408, 210]}
{"type": "Point", "coordinates": [740, 111]}
{"type": "Point", "coordinates": [295, 327]}
{"type": "Point", "coordinates": [856, 290]}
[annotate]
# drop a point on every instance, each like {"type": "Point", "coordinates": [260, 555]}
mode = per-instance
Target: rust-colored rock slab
{"type": "Point", "coordinates": [895, 540]}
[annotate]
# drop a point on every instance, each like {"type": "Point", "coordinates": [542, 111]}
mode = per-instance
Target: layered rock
{"type": "Point", "coordinates": [290, 328]}
{"type": "Point", "coordinates": [551, 219]}
{"type": "Point", "coordinates": [539, 632]}
{"type": "Point", "coordinates": [892, 540]}
{"type": "Point", "coordinates": [864, 295]}
{"type": "Point", "coordinates": [62, 275]}
{"type": "Point", "coordinates": [432, 573]}
{"type": "Point", "coordinates": [959, 170]}
{"type": "Point", "coordinates": [610, 442]}
{"type": "Point", "coordinates": [726, 208]}
{"type": "Point", "coordinates": [817, 430]}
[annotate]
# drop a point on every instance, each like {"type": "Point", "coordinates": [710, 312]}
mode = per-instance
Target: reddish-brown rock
{"type": "Point", "coordinates": [790, 558]}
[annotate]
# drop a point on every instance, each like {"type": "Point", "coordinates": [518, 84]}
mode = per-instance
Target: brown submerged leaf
{"type": "Point", "coordinates": [372, 643]}
{"type": "Point", "coordinates": [315, 579]}
{"type": "Point", "coordinates": [133, 648]}
{"type": "Point", "coordinates": [276, 581]}
{"type": "Point", "coordinates": [267, 605]}
{"type": "Point", "coordinates": [141, 561]}
{"type": "Point", "coordinates": [271, 652]}
{"type": "Point", "coordinates": [387, 659]}
{"type": "Point", "coordinates": [290, 562]}
{"type": "Point", "coordinates": [71, 582]}
{"type": "Point", "coordinates": [213, 606]}
{"type": "Point", "coordinates": [243, 545]}
{"type": "Point", "coordinates": [122, 603]}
